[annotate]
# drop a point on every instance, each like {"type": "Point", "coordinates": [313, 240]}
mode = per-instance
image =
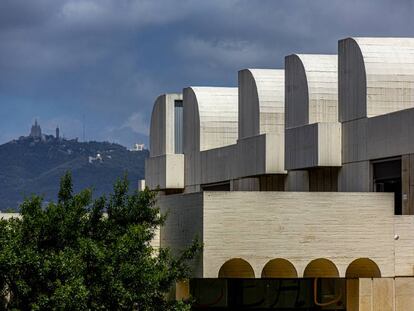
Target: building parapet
{"type": "Point", "coordinates": [313, 145]}
{"type": "Point", "coordinates": [312, 132]}
{"type": "Point", "coordinates": [165, 172]}
{"type": "Point", "coordinates": [297, 226]}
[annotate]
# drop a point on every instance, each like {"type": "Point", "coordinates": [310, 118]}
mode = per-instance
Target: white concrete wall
{"type": "Point", "coordinates": [210, 117]}
{"type": "Point", "coordinates": [252, 156]}
{"type": "Point", "coordinates": [220, 156]}
{"type": "Point", "coordinates": [311, 89]}
{"type": "Point", "coordinates": [313, 145]}
{"type": "Point", "coordinates": [260, 155]}
{"type": "Point", "coordinates": [297, 226]}
{"type": "Point", "coordinates": [312, 133]}
{"type": "Point", "coordinates": [378, 137]}
{"type": "Point", "coordinates": [218, 165]}
{"type": "Point", "coordinates": [210, 121]}
{"type": "Point", "coordinates": [184, 224]}
{"type": "Point", "coordinates": [260, 148]}
{"type": "Point", "coordinates": [404, 245]}
{"type": "Point", "coordinates": [164, 168]}
{"type": "Point", "coordinates": [380, 294]}
{"type": "Point", "coordinates": [376, 93]}
{"type": "Point", "coordinates": [211, 130]}
{"type": "Point", "coordinates": [162, 125]}
{"type": "Point", "coordinates": [376, 76]}
{"type": "Point", "coordinates": [165, 172]}
{"type": "Point", "coordinates": [261, 102]}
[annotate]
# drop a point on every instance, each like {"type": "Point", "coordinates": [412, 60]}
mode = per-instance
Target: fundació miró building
{"type": "Point", "coordinates": [299, 182]}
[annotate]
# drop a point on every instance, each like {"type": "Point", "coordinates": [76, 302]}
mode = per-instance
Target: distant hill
{"type": "Point", "coordinates": [34, 166]}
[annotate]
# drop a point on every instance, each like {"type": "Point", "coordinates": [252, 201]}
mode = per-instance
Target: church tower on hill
{"type": "Point", "coordinates": [36, 131]}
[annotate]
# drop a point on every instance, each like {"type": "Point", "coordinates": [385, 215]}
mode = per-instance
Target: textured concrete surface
{"type": "Point", "coordinates": [311, 88]}
{"type": "Point", "coordinates": [162, 125]}
{"type": "Point", "coordinates": [164, 168]}
{"type": "Point", "coordinates": [313, 145]}
{"type": "Point", "coordinates": [165, 171]}
{"type": "Point", "coordinates": [210, 121]}
{"type": "Point", "coordinates": [261, 102]}
{"type": "Point", "coordinates": [296, 226]}
{"type": "Point", "coordinates": [312, 131]}
{"type": "Point", "coordinates": [376, 76]}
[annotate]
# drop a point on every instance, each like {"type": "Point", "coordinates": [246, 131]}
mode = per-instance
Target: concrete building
{"type": "Point", "coordinates": [138, 147]}
{"type": "Point", "coordinates": [299, 182]}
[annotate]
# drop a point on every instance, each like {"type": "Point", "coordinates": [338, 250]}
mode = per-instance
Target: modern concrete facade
{"type": "Point", "coordinates": [313, 133]}
{"type": "Point", "coordinates": [297, 174]}
{"type": "Point", "coordinates": [164, 165]}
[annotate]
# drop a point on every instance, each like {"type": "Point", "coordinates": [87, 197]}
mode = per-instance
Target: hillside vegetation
{"type": "Point", "coordinates": [29, 166]}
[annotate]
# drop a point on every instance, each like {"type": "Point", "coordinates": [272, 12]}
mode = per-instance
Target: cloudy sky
{"type": "Point", "coordinates": [105, 61]}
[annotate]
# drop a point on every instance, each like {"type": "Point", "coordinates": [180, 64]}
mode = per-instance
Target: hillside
{"type": "Point", "coordinates": [32, 166]}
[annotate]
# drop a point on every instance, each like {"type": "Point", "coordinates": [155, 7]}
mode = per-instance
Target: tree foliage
{"type": "Point", "coordinates": [85, 254]}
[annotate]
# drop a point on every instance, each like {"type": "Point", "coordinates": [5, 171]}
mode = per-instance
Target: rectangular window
{"type": "Point", "coordinates": [387, 178]}
{"type": "Point", "coordinates": [178, 126]}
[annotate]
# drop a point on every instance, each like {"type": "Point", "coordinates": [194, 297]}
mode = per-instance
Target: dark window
{"type": "Point", "coordinates": [387, 178]}
{"type": "Point", "coordinates": [216, 187]}
{"type": "Point", "coordinates": [178, 126]}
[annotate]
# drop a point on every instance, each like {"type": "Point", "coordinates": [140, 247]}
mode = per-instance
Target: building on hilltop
{"type": "Point", "coordinates": [57, 133]}
{"type": "Point", "coordinates": [36, 131]}
{"type": "Point", "coordinates": [299, 182]}
{"type": "Point", "coordinates": [138, 147]}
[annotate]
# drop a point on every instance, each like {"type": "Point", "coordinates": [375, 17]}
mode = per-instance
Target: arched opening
{"type": "Point", "coordinates": [279, 268]}
{"type": "Point", "coordinates": [363, 268]}
{"type": "Point", "coordinates": [321, 268]}
{"type": "Point", "coordinates": [236, 268]}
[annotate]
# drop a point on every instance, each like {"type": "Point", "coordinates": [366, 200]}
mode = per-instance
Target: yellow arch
{"type": "Point", "coordinates": [321, 268]}
{"type": "Point", "coordinates": [279, 268]}
{"type": "Point", "coordinates": [236, 268]}
{"type": "Point", "coordinates": [363, 268]}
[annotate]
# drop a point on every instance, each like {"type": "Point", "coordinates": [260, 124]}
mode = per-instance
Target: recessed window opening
{"type": "Point", "coordinates": [387, 178]}
{"type": "Point", "coordinates": [178, 126]}
{"type": "Point", "coordinates": [225, 186]}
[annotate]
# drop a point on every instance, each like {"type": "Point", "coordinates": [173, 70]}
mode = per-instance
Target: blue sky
{"type": "Point", "coordinates": [105, 61]}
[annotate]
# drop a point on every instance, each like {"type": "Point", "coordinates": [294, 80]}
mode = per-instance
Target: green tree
{"type": "Point", "coordinates": [80, 254]}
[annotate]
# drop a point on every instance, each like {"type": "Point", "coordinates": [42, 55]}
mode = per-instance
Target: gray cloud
{"type": "Point", "coordinates": [109, 59]}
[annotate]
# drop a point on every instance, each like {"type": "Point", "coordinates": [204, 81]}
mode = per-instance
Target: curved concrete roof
{"type": "Point", "coordinates": [311, 89]}
{"type": "Point", "coordinates": [210, 117]}
{"type": "Point", "coordinates": [261, 101]}
{"type": "Point", "coordinates": [162, 125]}
{"type": "Point", "coordinates": [376, 76]}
